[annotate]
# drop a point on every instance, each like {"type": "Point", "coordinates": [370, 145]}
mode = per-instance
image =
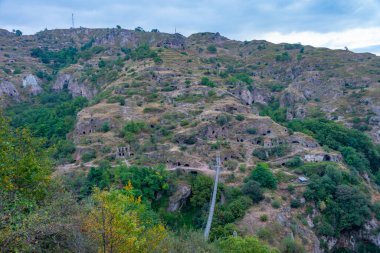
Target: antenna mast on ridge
{"type": "Point", "coordinates": [72, 20]}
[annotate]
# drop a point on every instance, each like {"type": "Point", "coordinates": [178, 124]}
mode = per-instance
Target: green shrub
{"type": "Point", "coordinates": [212, 49]}
{"type": "Point", "coordinates": [239, 117]}
{"type": "Point", "coordinates": [284, 57]}
{"type": "Point", "coordinates": [294, 162]}
{"type": "Point", "coordinates": [88, 156]}
{"type": "Point", "coordinates": [251, 131]}
{"type": "Point", "coordinates": [223, 119]}
{"type": "Point", "coordinates": [230, 165]}
{"type": "Point", "coordinates": [276, 203]}
{"type": "Point", "coordinates": [264, 218]}
{"type": "Point", "coordinates": [295, 203]}
{"type": "Point", "coordinates": [249, 244]}
{"type": "Point", "coordinates": [289, 245]}
{"type": "Point", "coordinates": [253, 190]}
{"type": "Point", "coordinates": [207, 82]}
{"type": "Point", "coordinates": [105, 127]}
{"type": "Point", "coordinates": [264, 176]}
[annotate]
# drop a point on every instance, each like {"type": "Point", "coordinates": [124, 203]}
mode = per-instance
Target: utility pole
{"type": "Point", "coordinates": [213, 199]}
{"type": "Point", "coordinates": [72, 20]}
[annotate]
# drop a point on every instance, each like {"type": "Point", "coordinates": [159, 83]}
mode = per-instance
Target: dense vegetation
{"type": "Point", "coordinates": [50, 116]}
{"type": "Point", "coordinates": [356, 147]}
{"type": "Point", "coordinates": [39, 215]}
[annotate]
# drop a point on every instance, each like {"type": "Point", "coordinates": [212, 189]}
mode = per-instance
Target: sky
{"type": "Point", "coordinates": [321, 23]}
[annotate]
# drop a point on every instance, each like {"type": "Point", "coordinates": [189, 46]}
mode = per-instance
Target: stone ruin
{"type": "Point", "coordinates": [123, 152]}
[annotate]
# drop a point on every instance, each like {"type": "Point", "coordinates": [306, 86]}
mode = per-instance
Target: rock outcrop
{"type": "Point", "coordinates": [30, 82]}
{"type": "Point", "coordinates": [181, 195]}
{"type": "Point", "coordinates": [8, 89]}
{"type": "Point", "coordinates": [76, 88]}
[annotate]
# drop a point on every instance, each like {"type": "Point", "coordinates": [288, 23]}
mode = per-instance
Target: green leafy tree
{"type": "Point", "coordinates": [249, 244]}
{"type": "Point", "coordinates": [263, 175]}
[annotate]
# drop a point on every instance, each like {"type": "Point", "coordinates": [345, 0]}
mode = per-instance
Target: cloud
{"type": "Point", "coordinates": [353, 38]}
{"type": "Point", "coordinates": [327, 23]}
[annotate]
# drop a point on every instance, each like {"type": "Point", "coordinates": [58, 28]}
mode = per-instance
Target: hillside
{"type": "Point", "coordinates": [105, 98]}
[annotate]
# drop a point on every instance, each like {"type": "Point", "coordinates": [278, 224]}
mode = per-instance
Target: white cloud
{"type": "Point", "coordinates": [352, 38]}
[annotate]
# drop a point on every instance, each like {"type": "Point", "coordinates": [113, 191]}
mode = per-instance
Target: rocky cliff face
{"type": "Point", "coordinates": [76, 88]}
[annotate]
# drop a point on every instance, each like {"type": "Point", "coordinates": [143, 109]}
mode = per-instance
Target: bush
{"type": "Point", "coordinates": [264, 218]}
{"type": "Point", "coordinates": [207, 82]}
{"type": "Point", "coordinates": [276, 203]}
{"type": "Point", "coordinates": [105, 127]}
{"type": "Point", "coordinates": [249, 244]}
{"type": "Point", "coordinates": [295, 203]}
{"type": "Point", "coordinates": [264, 176]}
{"type": "Point", "coordinates": [289, 245]}
{"type": "Point", "coordinates": [253, 190]}
{"type": "Point", "coordinates": [212, 49]}
{"type": "Point", "coordinates": [88, 156]}
{"type": "Point", "coordinates": [223, 119]}
{"type": "Point", "coordinates": [294, 162]}
{"type": "Point", "coordinates": [251, 131]}
{"type": "Point", "coordinates": [239, 117]}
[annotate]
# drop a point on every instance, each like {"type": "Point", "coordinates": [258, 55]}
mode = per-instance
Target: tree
{"type": "Point", "coordinates": [24, 178]}
{"type": "Point", "coordinates": [118, 27]}
{"type": "Point", "coordinates": [252, 189]}
{"type": "Point", "coordinates": [264, 176]}
{"type": "Point", "coordinates": [114, 222]}
{"type": "Point", "coordinates": [18, 33]}
{"type": "Point", "coordinates": [155, 31]}
{"type": "Point", "coordinates": [249, 244]}
{"type": "Point", "coordinates": [139, 29]}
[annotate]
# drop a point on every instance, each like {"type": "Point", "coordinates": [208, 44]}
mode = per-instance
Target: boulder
{"type": "Point", "coordinates": [181, 195]}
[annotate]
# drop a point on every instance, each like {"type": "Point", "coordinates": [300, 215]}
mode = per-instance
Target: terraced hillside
{"type": "Point", "coordinates": [147, 98]}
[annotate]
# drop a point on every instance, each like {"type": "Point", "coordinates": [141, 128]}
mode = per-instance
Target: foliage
{"type": "Point", "coordinates": [239, 117]}
{"type": "Point", "coordinates": [24, 178]}
{"type": "Point", "coordinates": [88, 155]}
{"type": "Point", "coordinates": [264, 176]}
{"type": "Point", "coordinates": [357, 148]}
{"type": "Point", "coordinates": [274, 111]}
{"type": "Point", "coordinates": [211, 49]}
{"type": "Point", "coordinates": [58, 59]}
{"type": "Point", "coordinates": [141, 52]}
{"type": "Point", "coordinates": [50, 116]}
{"type": "Point", "coordinates": [207, 82]}
{"type": "Point", "coordinates": [251, 131]}
{"type": "Point", "coordinates": [223, 119]}
{"type": "Point", "coordinates": [201, 188]}
{"type": "Point", "coordinates": [289, 245]}
{"type": "Point", "coordinates": [189, 241]}
{"type": "Point", "coordinates": [266, 153]}
{"type": "Point", "coordinates": [344, 207]}
{"type": "Point", "coordinates": [253, 190]}
{"type": "Point", "coordinates": [105, 127]}
{"type": "Point", "coordinates": [284, 57]}
{"type": "Point", "coordinates": [132, 128]}
{"type": "Point", "coordinates": [249, 244]}
{"type": "Point", "coordinates": [115, 223]}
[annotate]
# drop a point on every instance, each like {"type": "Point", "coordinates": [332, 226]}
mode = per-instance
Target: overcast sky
{"type": "Point", "coordinates": [322, 23]}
